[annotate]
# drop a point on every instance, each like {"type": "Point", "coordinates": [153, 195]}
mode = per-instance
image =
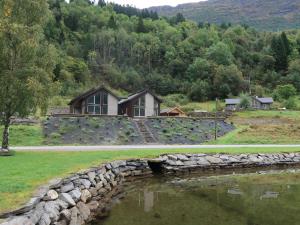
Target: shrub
{"type": "Point", "coordinates": [284, 92]}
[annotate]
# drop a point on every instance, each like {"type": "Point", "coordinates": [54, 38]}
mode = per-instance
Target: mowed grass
{"type": "Point", "coordinates": [23, 173]}
{"type": "Point", "coordinates": [263, 127]}
{"type": "Point", "coordinates": [25, 135]}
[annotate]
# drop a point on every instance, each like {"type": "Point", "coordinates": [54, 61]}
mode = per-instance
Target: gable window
{"type": "Point", "coordinates": [98, 104]}
{"type": "Point", "coordinates": [139, 107]}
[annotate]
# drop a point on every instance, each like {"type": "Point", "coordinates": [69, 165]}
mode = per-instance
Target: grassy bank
{"type": "Point", "coordinates": [23, 173]}
{"type": "Point", "coordinates": [264, 127]}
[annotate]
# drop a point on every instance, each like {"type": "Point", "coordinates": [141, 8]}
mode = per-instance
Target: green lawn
{"type": "Point", "coordinates": [23, 173]}
{"type": "Point", "coordinates": [25, 135]}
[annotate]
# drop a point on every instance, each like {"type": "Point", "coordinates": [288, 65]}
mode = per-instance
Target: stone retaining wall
{"type": "Point", "coordinates": [177, 163]}
{"type": "Point", "coordinates": [75, 200]}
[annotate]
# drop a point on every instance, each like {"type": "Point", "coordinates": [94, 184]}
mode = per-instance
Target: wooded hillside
{"type": "Point", "coordinates": [133, 49]}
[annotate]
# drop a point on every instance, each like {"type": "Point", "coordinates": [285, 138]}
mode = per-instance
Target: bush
{"type": "Point", "coordinates": [284, 92]}
{"type": "Point", "coordinates": [291, 103]}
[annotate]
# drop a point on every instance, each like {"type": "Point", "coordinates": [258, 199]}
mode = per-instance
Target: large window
{"type": "Point", "coordinates": [139, 107]}
{"type": "Point", "coordinates": [98, 104]}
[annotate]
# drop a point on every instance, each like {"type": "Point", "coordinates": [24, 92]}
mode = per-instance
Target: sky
{"type": "Point", "coordinates": [147, 3]}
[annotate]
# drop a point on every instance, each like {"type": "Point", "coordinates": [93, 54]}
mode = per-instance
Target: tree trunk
{"type": "Point", "coordinates": [5, 139]}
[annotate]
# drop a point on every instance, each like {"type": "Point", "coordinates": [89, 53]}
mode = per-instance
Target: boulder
{"type": "Point", "coordinates": [68, 187]}
{"type": "Point", "coordinates": [83, 210]}
{"type": "Point", "coordinates": [86, 183]}
{"type": "Point", "coordinates": [67, 199]}
{"type": "Point", "coordinates": [52, 209]}
{"type": "Point", "coordinates": [45, 220]}
{"type": "Point", "coordinates": [51, 195]}
{"type": "Point", "coordinates": [66, 214]}
{"type": "Point", "coordinates": [75, 194]}
{"type": "Point", "coordinates": [214, 160]}
{"type": "Point", "coordinates": [85, 195]}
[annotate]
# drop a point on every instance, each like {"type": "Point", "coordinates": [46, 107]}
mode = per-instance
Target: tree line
{"type": "Point", "coordinates": [51, 47]}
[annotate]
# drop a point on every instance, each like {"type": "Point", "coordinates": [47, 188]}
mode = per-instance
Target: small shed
{"type": "Point", "coordinates": [173, 112]}
{"type": "Point", "coordinates": [262, 103]}
{"type": "Point", "coordinates": [232, 104]}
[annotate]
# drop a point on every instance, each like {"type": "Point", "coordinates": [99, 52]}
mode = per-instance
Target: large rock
{"type": "Point", "coordinates": [66, 214]}
{"type": "Point", "coordinates": [86, 183]}
{"type": "Point", "coordinates": [85, 195]}
{"type": "Point", "coordinates": [67, 198]}
{"type": "Point", "coordinates": [52, 209]}
{"type": "Point", "coordinates": [84, 210]}
{"type": "Point", "coordinates": [45, 220]}
{"type": "Point", "coordinates": [214, 159]}
{"type": "Point", "coordinates": [18, 221]}
{"type": "Point", "coordinates": [51, 195]}
{"type": "Point", "coordinates": [68, 187]}
{"type": "Point", "coordinates": [75, 194]}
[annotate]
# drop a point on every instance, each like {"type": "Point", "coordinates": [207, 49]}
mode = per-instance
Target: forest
{"type": "Point", "coordinates": [129, 49]}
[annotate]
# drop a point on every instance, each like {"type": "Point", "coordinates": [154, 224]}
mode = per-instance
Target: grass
{"type": "Point", "coordinates": [263, 127]}
{"type": "Point", "coordinates": [25, 135]}
{"type": "Point", "coordinates": [23, 173]}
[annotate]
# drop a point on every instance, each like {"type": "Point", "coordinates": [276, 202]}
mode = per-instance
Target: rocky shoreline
{"type": "Point", "coordinates": [77, 199]}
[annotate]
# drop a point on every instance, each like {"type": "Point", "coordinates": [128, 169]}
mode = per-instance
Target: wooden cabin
{"type": "Point", "coordinates": [96, 101]}
{"type": "Point", "coordinates": [173, 112]}
{"type": "Point", "coordinates": [141, 104]}
{"type": "Point", "coordinates": [262, 103]}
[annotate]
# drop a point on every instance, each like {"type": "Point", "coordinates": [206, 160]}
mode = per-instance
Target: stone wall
{"type": "Point", "coordinates": [177, 163]}
{"type": "Point", "coordinates": [77, 199]}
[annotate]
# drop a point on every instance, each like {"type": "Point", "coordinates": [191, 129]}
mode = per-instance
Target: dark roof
{"type": "Point", "coordinates": [90, 92]}
{"type": "Point", "coordinates": [139, 94]}
{"type": "Point", "coordinates": [232, 101]}
{"type": "Point", "coordinates": [267, 100]}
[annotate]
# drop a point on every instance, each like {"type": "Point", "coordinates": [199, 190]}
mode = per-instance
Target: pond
{"type": "Point", "coordinates": [252, 198]}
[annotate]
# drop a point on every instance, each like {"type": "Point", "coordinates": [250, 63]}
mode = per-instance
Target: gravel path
{"type": "Point", "coordinates": [141, 147]}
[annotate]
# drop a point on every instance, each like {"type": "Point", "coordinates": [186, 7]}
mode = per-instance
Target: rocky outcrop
{"type": "Point", "coordinates": [77, 199]}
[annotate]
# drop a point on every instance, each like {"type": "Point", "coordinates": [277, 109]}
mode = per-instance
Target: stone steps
{"type": "Point", "coordinates": [145, 132]}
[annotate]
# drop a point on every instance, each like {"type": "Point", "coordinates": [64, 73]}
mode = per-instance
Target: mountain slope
{"type": "Point", "coordinates": [262, 14]}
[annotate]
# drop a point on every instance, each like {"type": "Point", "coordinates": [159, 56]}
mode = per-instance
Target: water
{"type": "Point", "coordinates": [268, 198]}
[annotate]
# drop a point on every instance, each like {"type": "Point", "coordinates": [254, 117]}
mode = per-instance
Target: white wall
{"type": "Point", "coordinates": [112, 105]}
{"type": "Point", "coordinates": [149, 111]}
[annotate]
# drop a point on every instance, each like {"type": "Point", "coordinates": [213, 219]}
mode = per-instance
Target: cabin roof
{"type": "Point", "coordinates": [232, 101]}
{"type": "Point", "coordinates": [90, 92]}
{"type": "Point", "coordinates": [267, 100]}
{"type": "Point", "coordinates": [139, 94]}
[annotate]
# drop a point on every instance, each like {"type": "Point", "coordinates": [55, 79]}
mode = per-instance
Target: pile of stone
{"type": "Point", "coordinates": [180, 162]}
{"type": "Point", "coordinates": [75, 199]}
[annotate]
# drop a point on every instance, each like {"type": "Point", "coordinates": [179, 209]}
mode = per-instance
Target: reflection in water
{"type": "Point", "coordinates": [268, 198]}
{"type": "Point", "coordinates": [148, 200]}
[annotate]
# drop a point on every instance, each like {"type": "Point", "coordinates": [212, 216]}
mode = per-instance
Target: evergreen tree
{"type": "Point", "coordinates": [112, 23]}
{"type": "Point", "coordinates": [140, 26]}
{"type": "Point", "coordinates": [279, 50]}
{"type": "Point", "coordinates": [101, 3]}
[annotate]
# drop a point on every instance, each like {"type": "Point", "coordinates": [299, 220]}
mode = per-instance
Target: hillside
{"type": "Point", "coordinates": [269, 15]}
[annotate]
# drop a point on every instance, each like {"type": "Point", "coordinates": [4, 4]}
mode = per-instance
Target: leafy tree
{"type": "Point", "coordinates": [200, 91]}
{"type": "Point", "coordinates": [220, 53]}
{"type": "Point", "coordinates": [284, 92]}
{"type": "Point", "coordinates": [228, 80]}
{"type": "Point", "coordinates": [26, 60]}
{"type": "Point", "coordinates": [200, 69]}
{"type": "Point", "coordinates": [245, 102]}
